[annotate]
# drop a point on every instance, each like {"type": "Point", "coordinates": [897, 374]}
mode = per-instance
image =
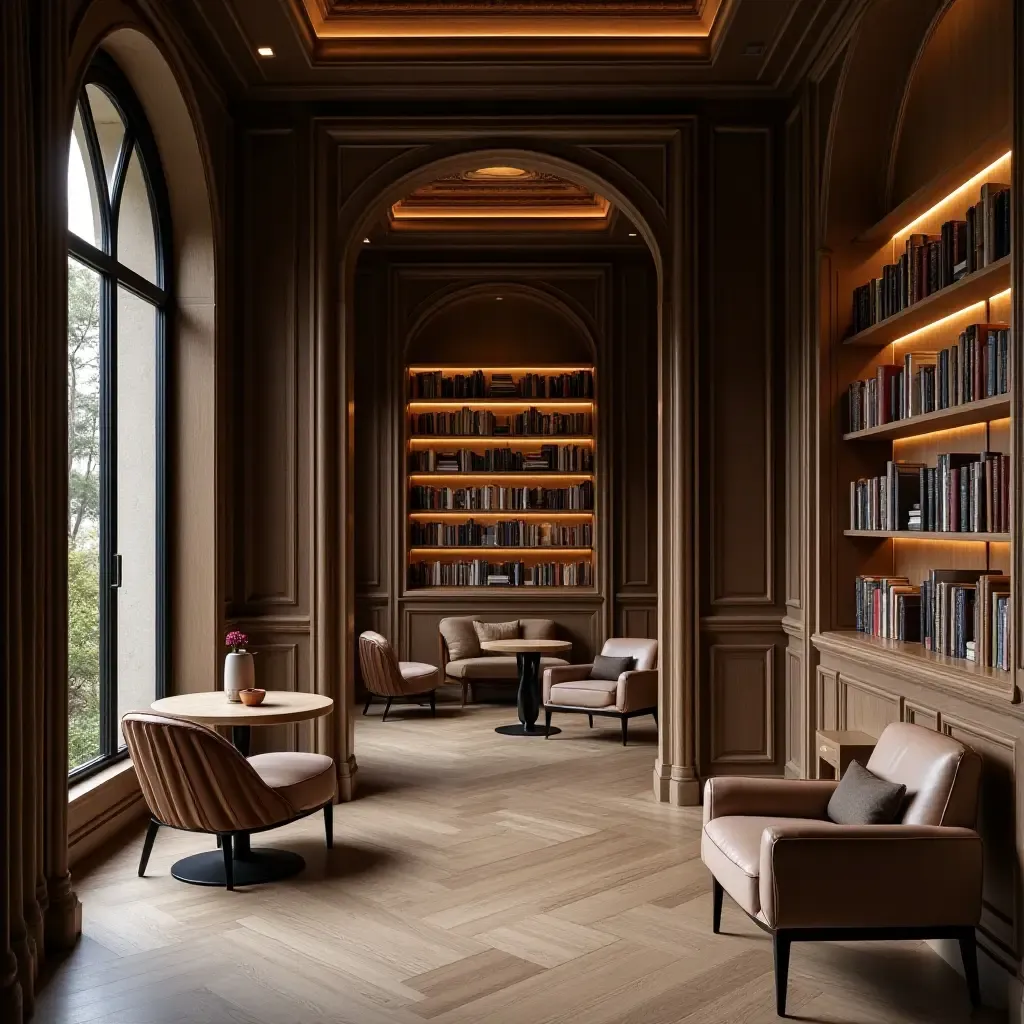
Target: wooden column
{"type": "Point", "coordinates": [38, 910]}
{"type": "Point", "coordinates": [675, 774]}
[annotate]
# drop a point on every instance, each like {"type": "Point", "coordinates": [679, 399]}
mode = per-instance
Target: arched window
{"type": "Point", "coordinates": [118, 304]}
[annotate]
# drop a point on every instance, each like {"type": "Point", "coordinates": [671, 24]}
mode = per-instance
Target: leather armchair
{"type": "Point", "coordinates": [770, 844]}
{"type": "Point", "coordinates": [385, 676]}
{"type": "Point", "coordinates": [571, 688]}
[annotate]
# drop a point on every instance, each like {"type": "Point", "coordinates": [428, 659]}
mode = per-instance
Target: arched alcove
{"type": "Point", "coordinates": [502, 324]}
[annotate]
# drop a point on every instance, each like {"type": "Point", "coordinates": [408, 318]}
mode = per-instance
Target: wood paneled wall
{"type": "Point", "coordinates": [739, 571]}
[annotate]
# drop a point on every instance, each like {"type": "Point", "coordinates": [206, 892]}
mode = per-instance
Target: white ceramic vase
{"type": "Point", "coordinates": [239, 674]}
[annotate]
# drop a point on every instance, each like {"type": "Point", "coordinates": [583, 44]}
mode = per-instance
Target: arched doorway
{"type": "Point", "coordinates": [659, 204]}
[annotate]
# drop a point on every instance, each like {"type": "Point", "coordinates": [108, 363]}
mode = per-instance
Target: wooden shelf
{"type": "Point", "coordinates": [988, 538]}
{"type": "Point", "coordinates": [945, 182]}
{"type": "Point", "coordinates": [511, 474]}
{"type": "Point", "coordinates": [547, 591]}
{"type": "Point", "coordinates": [466, 440]}
{"type": "Point", "coordinates": [973, 288]}
{"type": "Point", "coordinates": [981, 411]}
{"type": "Point", "coordinates": [912, 660]}
{"type": "Point", "coordinates": [454, 549]}
{"type": "Point", "coordinates": [458, 403]}
{"type": "Point", "coordinates": [507, 513]}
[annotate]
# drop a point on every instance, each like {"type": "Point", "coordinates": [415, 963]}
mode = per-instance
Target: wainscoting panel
{"type": "Point", "coordinates": [794, 713]}
{"type": "Point", "coordinates": [742, 692]}
{"type": "Point", "coordinates": [827, 684]}
{"type": "Point", "coordinates": [921, 714]}
{"type": "Point", "coordinates": [864, 707]}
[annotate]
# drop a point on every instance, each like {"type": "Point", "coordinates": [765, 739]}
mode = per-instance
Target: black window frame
{"type": "Point", "coordinates": [104, 73]}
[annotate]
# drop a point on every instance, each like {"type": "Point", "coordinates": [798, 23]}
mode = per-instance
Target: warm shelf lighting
{"type": "Point", "coordinates": [978, 179]}
{"type": "Point", "coordinates": [459, 403]}
{"type": "Point", "coordinates": [542, 370]}
{"type": "Point", "coordinates": [265, 51]}
{"type": "Point", "coordinates": [507, 475]}
{"type": "Point", "coordinates": [1002, 295]}
{"type": "Point", "coordinates": [456, 550]}
{"type": "Point", "coordinates": [938, 323]}
{"type": "Point", "coordinates": [508, 513]}
{"type": "Point", "coordinates": [467, 441]}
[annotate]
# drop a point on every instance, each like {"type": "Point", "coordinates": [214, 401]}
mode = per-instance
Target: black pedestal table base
{"type": "Point", "coordinates": [528, 699]}
{"type": "Point", "coordinates": [254, 868]}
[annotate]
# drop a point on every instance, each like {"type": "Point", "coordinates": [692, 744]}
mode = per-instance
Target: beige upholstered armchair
{"type": "Point", "coordinates": [770, 845]}
{"type": "Point", "coordinates": [573, 689]}
{"type": "Point", "coordinates": [195, 780]}
{"type": "Point", "coordinates": [385, 676]}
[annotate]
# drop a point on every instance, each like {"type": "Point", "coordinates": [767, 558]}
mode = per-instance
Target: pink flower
{"type": "Point", "coordinates": [236, 639]}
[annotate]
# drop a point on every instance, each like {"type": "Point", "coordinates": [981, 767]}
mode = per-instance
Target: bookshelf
{"type": "Point", "coordinates": [501, 471]}
{"type": "Point", "coordinates": [943, 416]}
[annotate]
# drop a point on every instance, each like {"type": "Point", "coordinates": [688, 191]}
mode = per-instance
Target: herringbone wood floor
{"type": "Point", "coordinates": [476, 878]}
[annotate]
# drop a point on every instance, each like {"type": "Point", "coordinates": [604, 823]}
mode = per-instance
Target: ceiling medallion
{"type": "Point", "coordinates": [500, 174]}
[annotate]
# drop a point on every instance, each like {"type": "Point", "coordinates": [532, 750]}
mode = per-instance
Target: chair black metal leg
{"type": "Point", "coordinates": [329, 824]}
{"type": "Point", "coordinates": [590, 721]}
{"type": "Point", "coordinates": [433, 703]}
{"type": "Point", "coordinates": [366, 706]}
{"type": "Point", "coordinates": [229, 860]}
{"type": "Point", "coordinates": [969, 955]}
{"type": "Point", "coordinates": [147, 845]}
{"type": "Point", "coordinates": [625, 729]}
{"type": "Point", "coordinates": [387, 708]}
{"type": "Point", "coordinates": [781, 943]}
{"type": "Point", "coordinates": [716, 905]}
{"type": "Point", "coordinates": [464, 689]}
{"type": "Point", "coordinates": [547, 723]}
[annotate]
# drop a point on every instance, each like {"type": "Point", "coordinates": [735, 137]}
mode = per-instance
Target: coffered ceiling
{"type": "Point", "coordinates": [501, 198]}
{"type": "Point", "coordinates": [507, 49]}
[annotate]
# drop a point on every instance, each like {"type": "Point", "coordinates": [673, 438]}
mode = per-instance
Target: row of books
{"type": "Point", "coordinates": [481, 573]}
{"type": "Point", "coordinates": [549, 458]}
{"type": "Point", "coordinates": [511, 533]}
{"type": "Point", "coordinates": [575, 498]}
{"type": "Point", "coordinates": [930, 263]}
{"type": "Point", "coordinates": [485, 423]}
{"type": "Point", "coordinates": [437, 384]}
{"type": "Point", "coordinates": [961, 613]}
{"type": "Point", "coordinates": [962, 493]}
{"type": "Point", "coordinates": [976, 367]}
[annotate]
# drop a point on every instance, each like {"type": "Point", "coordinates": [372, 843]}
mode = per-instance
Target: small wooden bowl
{"type": "Point", "coordinates": [250, 698]}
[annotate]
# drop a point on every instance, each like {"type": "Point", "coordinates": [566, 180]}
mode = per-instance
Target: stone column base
{"type": "Point", "coordinates": [676, 785]}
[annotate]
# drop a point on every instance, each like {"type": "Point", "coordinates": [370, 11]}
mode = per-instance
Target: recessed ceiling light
{"type": "Point", "coordinates": [498, 298]}
{"type": "Point", "coordinates": [632, 234]}
{"type": "Point", "coordinates": [266, 51]}
{"type": "Point", "coordinates": [366, 241]}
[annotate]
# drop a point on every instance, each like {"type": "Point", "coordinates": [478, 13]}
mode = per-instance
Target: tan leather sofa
{"type": "Point", "coordinates": [770, 845]}
{"type": "Point", "coordinates": [385, 676]}
{"type": "Point", "coordinates": [464, 662]}
{"type": "Point", "coordinates": [571, 688]}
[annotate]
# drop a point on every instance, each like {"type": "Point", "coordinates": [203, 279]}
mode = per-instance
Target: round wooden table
{"type": "Point", "coordinates": [528, 654]}
{"type": "Point", "coordinates": [279, 707]}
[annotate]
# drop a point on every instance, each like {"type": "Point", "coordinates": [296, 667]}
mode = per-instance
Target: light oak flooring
{"type": "Point", "coordinates": [477, 878]}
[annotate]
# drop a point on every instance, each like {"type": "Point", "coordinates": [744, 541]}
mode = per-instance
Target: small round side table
{"type": "Point", "coordinates": [528, 654]}
{"type": "Point", "coordinates": [213, 708]}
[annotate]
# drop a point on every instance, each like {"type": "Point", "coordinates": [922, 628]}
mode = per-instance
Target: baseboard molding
{"type": "Point", "coordinates": [999, 988]}
{"type": "Point", "coordinates": [102, 807]}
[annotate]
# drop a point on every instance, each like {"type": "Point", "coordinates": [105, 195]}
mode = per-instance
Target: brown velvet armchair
{"type": "Point", "coordinates": [385, 676]}
{"type": "Point", "coordinates": [770, 845]}
{"type": "Point", "coordinates": [195, 780]}
{"type": "Point", "coordinates": [571, 688]}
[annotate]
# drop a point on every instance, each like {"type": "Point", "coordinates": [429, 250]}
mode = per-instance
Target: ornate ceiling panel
{"type": "Point", "coordinates": [509, 198]}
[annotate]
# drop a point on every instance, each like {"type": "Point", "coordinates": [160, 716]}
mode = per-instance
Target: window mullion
{"type": "Point", "coordinates": [99, 172]}
{"type": "Point", "coordinates": [108, 516]}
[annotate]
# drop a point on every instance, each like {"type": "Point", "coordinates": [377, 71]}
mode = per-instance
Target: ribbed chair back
{"type": "Point", "coordinates": [194, 779]}
{"type": "Point", "coordinates": [381, 674]}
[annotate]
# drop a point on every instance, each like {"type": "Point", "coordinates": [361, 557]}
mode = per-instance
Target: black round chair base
{"type": "Point", "coordinates": [521, 730]}
{"type": "Point", "coordinates": [258, 866]}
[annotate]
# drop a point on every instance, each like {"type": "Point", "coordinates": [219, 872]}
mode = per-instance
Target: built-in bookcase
{"type": "Point", "coordinates": [960, 366]}
{"type": "Point", "coordinates": [501, 471]}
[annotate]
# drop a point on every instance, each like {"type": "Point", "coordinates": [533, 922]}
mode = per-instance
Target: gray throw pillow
{"type": "Point", "coordinates": [611, 668]}
{"type": "Point", "coordinates": [862, 798]}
